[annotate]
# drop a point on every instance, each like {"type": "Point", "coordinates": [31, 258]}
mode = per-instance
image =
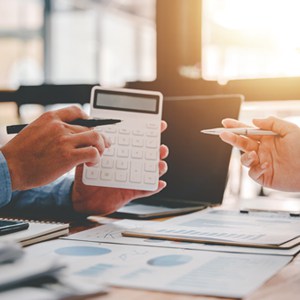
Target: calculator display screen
{"type": "Point", "coordinates": [115, 100]}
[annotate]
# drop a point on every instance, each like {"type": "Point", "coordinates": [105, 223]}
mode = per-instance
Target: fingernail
{"type": "Point", "coordinates": [264, 166]}
{"type": "Point", "coordinates": [251, 157]}
{"type": "Point", "coordinates": [252, 154]}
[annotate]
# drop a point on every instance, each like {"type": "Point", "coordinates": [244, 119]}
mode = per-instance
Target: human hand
{"type": "Point", "coordinates": [49, 147]}
{"type": "Point", "coordinates": [273, 161]}
{"type": "Point", "coordinates": [105, 200]}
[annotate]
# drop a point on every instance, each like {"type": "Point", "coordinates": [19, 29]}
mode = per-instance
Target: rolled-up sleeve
{"type": "Point", "coordinates": [50, 200]}
{"type": "Point", "coordinates": [54, 195]}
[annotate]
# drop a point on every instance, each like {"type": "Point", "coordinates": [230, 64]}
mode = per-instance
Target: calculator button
{"type": "Point", "coordinates": [106, 175]}
{"type": "Point", "coordinates": [136, 153]}
{"type": "Point", "coordinates": [124, 131]}
{"type": "Point", "coordinates": [137, 142]}
{"type": "Point", "coordinates": [112, 139]}
{"type": "Point", "coordinates": [123, 140]}
{"type": "Point", "coordinates": [138, 132]}
{"type": "Point", "coordinates": [152, 125]}
{"type": "Point", "coordinates": [107, 162]}
{"type": "Point", "coordinates": [152, 133]}
{"type": "Point", "coordinates": [151, 155]}
{"type": "Point", "coordinates": [111, 129]}
{"type": "Point", "coordinates": [136, 171]}
{"type": "Point", "coordinates": [121, 176]}
{"type": "Point", "coordinates": [122, 164]}
{"type": "Point", "coordinates": [150, 166]}
{"type": "Point", "coordinates": [92, 173]}
{"type": "Point", "coordinates": [151, 143]}
{"type": "Point", "coordinates": [123, 152]}
{"type": "Point", "coordinates": [109, 152]}
{"type": "Point", "coordinates": [150, 178]}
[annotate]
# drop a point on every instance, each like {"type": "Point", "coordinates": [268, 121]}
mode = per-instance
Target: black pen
{"type": "Point", "coordinates": [81, 122]}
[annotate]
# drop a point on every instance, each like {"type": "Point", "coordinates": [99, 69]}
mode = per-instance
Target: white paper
{"type": "Point", "coordinates": [217, 225]}
{"type": "Point", "coordinates": [173, 270]}
{"type": "Point", "coordinates": [112, 233]}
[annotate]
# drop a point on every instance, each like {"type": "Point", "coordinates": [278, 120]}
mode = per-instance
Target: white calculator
{"type": "Point", "coordinates": [132, 160]}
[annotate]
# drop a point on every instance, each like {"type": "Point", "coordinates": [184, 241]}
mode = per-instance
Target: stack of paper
{"type": "Point", "coordinates": [223, 227]}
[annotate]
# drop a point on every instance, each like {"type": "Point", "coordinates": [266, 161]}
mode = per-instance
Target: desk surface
{"type": "Point", "coordinates": [284, 285]}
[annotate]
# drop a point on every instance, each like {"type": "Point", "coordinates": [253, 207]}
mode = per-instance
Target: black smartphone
{"type": "Point", "coordinates": [8, 226]}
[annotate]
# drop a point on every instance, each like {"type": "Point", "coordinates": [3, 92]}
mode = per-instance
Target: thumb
{"type": "Point", "coordinates": [78, 173]}
{"type": "Point", "coordinates": [275, 124]}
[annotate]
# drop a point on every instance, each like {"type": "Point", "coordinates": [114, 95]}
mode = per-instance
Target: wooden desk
{"type": "Point", "coordinates": [285, 285]}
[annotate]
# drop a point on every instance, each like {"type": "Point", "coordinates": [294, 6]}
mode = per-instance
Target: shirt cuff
{"type": "Point", "coordinates": [5, 182]}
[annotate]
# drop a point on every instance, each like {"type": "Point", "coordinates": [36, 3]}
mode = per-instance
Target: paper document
{"type": "Point", "coordinates": [216, 226]}
{"type": "Point", "coordinates": [112, 233]}
{"type": "Point", "coordinates": [232, 275]}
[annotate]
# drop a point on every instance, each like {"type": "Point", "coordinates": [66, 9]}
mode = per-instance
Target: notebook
{"type": "Point", "coordinates": [197, 163]}
{"type": "Point", "coordinates": [36, 232]}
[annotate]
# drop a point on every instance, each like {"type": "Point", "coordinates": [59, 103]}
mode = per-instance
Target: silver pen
{"type": "Point", "coordinates": [239, 131]}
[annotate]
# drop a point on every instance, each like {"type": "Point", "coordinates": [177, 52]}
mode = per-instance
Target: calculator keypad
{"type": "Point", "coordinates": [131, 161]}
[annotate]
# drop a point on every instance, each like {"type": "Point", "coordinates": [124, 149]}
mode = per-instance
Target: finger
{"type": "Point", "coordinates": [232, 123]}
{"type": "Point", "coordinates": [106, 139]}
{"type": "Point", "coordinates": [258, 171]}
{"type": "Point", "coordinates": [139, 194]}
{"type": "Point", "coordinates": [163, 126]}
{"type": "Point", "coordinates": [76, 128]}
{"type": "Point", "coordinates": [89, 138]}
{"type": "Point", "coordinates": [70, 113]}
{"type": "Point", "coordinates": [163, 168]}
{"type": "Point", "coordinates": [243, 143]}
{"type": "Point", "coordinates": [277, 125]}
{"type": "Point", "coordinates": [164, 151]}
{"type": "Point", "coordinates": [161, 185]}
{"type": "Point", "coordinates": [250, 159]}
{"type": "Point", "coordinates": [87, 155]}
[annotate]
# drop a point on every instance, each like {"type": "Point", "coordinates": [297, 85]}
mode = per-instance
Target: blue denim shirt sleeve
{"type": "Point", "coordinates": [54, 196]}
{"type": "Point", "coordinates": [5, 182]}
{"type": "Point", "coordinates": [49, 199]}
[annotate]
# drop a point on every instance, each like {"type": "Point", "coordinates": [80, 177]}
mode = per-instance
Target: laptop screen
{"type": "Point", "coordinates": [197, 163]}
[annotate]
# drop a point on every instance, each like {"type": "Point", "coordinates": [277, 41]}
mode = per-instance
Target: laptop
{"type": "Point", "coordinates": [197, 163]}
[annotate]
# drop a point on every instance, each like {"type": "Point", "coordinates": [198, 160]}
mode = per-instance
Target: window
{"type": "Point", "coordinates": [110, 42]}
{"type": "Point", "coordinates": [250, 39]}
{"type": "Point", "coordinates": [21, 44]}
{"type": "Point", "coordinates": [77, 41]}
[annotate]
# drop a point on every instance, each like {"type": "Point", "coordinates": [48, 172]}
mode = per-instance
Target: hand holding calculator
{"type": "Point", "coordinates": [132, 160]}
